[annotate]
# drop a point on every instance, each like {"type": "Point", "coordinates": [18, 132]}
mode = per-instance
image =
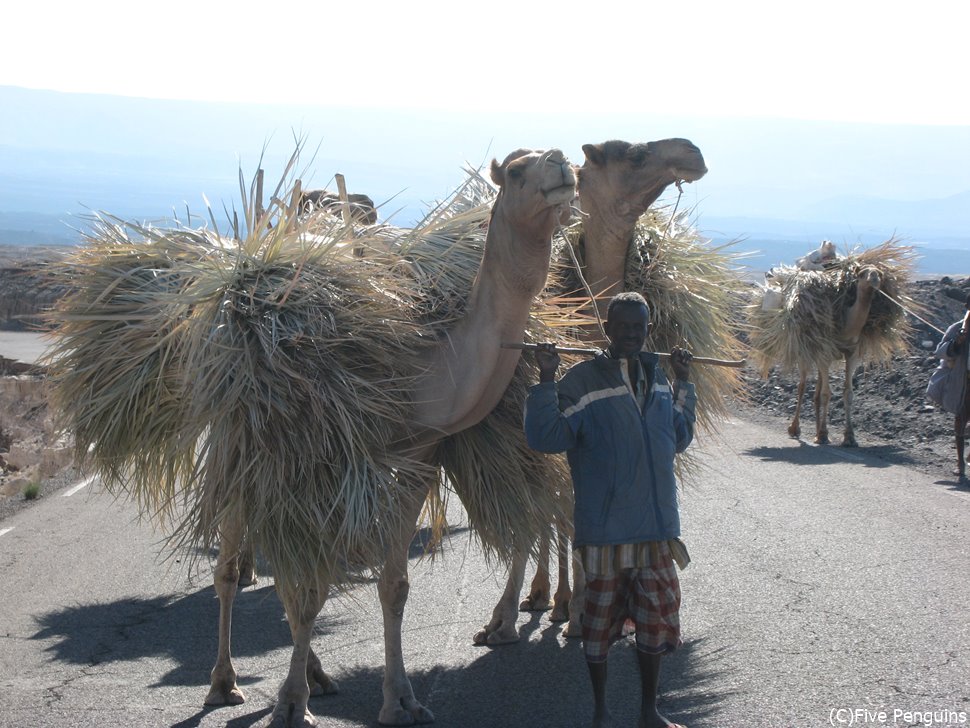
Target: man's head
{"type": "Point", "coordinates": [627, 323]}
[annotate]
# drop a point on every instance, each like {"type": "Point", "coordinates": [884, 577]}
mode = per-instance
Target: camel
{"type": "Point", "coordinates": [463, 377]}
{"type": "Point", "coordinates": [362, 207]}
{"type": "Point", "coordinates": [617, 183]}
{"type": "Point", "coordinates": [847, 342]}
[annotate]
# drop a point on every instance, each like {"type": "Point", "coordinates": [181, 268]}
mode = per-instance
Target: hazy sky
{"type": "Point", "coordinates": [847, 60]}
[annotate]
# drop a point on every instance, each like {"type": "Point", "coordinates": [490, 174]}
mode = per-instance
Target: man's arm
{"type": "Point", "coordinates": [685, 399]}
{"type": "Point", "coordinates": [546, 430]}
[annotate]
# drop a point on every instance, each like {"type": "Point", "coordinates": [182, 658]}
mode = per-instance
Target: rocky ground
{"type": "Point", "coordinates": [893, 420]}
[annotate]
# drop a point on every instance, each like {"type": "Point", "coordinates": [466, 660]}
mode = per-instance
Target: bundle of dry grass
{"type": "Point", "coordinates": [692, 288]}
{"type": "Point", "coordinates": [806, 328]}
{"type": "Point", "coordinates": [264, 378]}
{"type": "Point", "coordinates": [259, 378]}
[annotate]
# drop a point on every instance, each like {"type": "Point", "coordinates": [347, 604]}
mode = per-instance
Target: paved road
{"type": "Point", "coordinates": [23, 346]}
{"type": "Point", "coordinates": [823, 582]}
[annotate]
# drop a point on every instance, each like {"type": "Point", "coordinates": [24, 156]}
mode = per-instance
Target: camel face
{"type": "Point", "coordinates": [869, 278]}
{"type": "Point", "coordinates": [625, 179]}
{"type": "Point", "coordinates": [532, 182]}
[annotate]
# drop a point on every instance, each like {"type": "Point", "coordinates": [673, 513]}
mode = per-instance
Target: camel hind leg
{"type": "Point", "coordinates": [577, 604]}
{"type": "Point", "coordinates": [561, 604]}
{"type": "Point", "coordinates": [501, 628]}
{"type": "Point", "coordinates": [400, 706]}
{"type": "Point", "coordinates": [302, 603]}
{"type": "Point", "coordinates": [848, 436]}
{"type": "Point", "coordinates": [823, 395]}
{"type": "Point", "coordinates": [538, 597]}
{"type": "Point", "coordinates": [795, 428]}
{"type": "Point", "coordinates": [223, 689]}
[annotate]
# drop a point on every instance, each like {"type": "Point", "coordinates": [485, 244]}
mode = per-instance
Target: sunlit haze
{"type": "Point", "coordinates": [842, 60]}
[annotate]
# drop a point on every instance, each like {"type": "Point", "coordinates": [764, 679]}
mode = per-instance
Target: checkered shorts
{"type": "Point", "coordinates": [649, 596]}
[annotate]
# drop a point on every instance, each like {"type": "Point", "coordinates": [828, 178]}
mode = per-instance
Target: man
{"type": "Point", "coordinates": [621, 423]}
{"type": "Point", "coordinates": [954, 372]}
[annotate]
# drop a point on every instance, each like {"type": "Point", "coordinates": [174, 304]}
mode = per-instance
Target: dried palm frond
{"type": "Point", "coordinates": [513, 495]}
{"type": "Point", "coordinates": [259, 379]}
{"type": "Point", "coordinates": [805, 330]}
{"type": "Point", "coordinates": [692, 288]}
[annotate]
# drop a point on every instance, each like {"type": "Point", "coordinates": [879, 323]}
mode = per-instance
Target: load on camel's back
{"type": "Point", "coordinates": [852, 310]}
{"type": "Point", "coordinates": [275, 381]}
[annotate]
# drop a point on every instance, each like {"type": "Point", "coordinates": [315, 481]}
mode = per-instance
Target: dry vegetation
{"type": "Point", "coordinates": [894, 421]}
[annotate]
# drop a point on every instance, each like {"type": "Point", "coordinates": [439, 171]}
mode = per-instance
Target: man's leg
{"type": "Point", "coordinates": [649, 682]}
{"type": "Point", "coordinates": [601, 714]}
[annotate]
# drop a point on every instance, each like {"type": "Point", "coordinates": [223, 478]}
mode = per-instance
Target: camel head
{"type": "Point", "coordinates": [535, 190]}
{"type": "Point", "coordinates": [361, 206]}
{"type": "Point", "coordinates": [623, 179]}
{"type": "Point", "coordinates": [868, 279]}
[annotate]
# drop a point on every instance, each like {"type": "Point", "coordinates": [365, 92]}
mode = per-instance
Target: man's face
{"type": "Point", "coordinates": [627, 328]}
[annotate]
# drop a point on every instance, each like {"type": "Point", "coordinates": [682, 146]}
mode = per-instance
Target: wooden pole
{"type": "Point", "coordinates": [593, 352]}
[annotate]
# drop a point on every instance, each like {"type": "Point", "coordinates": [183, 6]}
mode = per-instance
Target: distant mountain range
{"type": "Point", "coordinates": [775, 186]}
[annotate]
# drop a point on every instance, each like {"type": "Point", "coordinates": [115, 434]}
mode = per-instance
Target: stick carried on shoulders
{"type": "Point", "coordinates": [594, 352]}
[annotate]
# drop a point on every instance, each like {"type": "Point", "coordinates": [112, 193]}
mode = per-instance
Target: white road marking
{"type": "Point", "coordinates": [78, 487]}
{"type": "Point", "coordinates": [4, 531]}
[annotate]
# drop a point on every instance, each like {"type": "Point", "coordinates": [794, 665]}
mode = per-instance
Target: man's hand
{"type": "Point", "coordinates": [680, 360]}
{"type": "Point", "coordinates": [547, 360]}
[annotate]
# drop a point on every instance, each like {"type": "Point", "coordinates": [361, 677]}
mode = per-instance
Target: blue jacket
{"type": "Point", "coordinates": [622, 460]}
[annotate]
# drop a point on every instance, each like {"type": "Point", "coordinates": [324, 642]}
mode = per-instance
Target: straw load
{"type": "Point", "coordinates": [692, 288]}
{"type": "Point", "coordinates": [796, 319]}
{"type": "Point", "coordinates": [264, 376]}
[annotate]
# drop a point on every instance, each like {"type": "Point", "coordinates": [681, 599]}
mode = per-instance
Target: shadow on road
{"type": "Point", "coordinates": [802, 453]}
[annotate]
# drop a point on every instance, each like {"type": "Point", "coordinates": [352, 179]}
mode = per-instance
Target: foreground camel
{"type": "Point", "coordinates": [847, 342]}
{"type": "Point", "coordinates": [617, 183]}
{"type": "Point", "coordinates": [464, 377]}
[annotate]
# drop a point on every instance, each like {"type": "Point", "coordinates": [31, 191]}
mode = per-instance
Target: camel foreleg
{"type": "Point", "coordinates": [400, 706]}
{"type": "Point", "coordinates": [823, 395]}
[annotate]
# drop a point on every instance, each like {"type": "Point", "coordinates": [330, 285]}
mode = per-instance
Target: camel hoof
{"type": "Point", "coordinates": [225, 695]}
{"type": "Point", "coordinates": [560, 612]}
{"type": "Point", "coordinates": [247, 580]}
{"type": "Point", "coordinates": [504, 635]}
{"type": "Point", "coordinates": [319, 687]}
{"type": "Point", "coordinates": [287, 719]}
{"type": "Point", "coordinates": [794, 432]}
{"type": "Point", "coordinates": [535, 602]}
{"type": "Point", "coordinates": [398, 715]}
{"type": "Point", "coordinates": [822, 439]}
{"type": "Point", "coordinates": [849, 442]}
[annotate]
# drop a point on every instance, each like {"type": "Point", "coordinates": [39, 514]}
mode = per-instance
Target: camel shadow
{"type": "Point", "coordinates": [804, 454]}
{"type": "Point", "coordinates": [182, 628]}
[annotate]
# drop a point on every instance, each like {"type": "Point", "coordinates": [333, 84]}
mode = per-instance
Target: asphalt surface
{"type": "Point", "coordinates": [23, 346]}
{"type": "Point", "coordinates": [827, 587]}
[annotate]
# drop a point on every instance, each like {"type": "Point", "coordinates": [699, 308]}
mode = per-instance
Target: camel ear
{"type": "Point", "coordinates": [496, 173]}
{"type": "Point", "coordinates": [594, 153]}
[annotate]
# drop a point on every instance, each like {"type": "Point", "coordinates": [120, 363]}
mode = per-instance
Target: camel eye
{"type": "Point", "coordinates": [515, 172]}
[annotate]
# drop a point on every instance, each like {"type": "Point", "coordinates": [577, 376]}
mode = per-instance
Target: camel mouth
{"type": "Point", "coordinates": [558, 195]}
{"type": "Point", "coordinates": [692, 174]}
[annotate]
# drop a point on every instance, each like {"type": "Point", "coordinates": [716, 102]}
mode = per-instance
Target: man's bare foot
{"type": "Point", "coordinates": [656, 721]}
{"type": "Point", "coordinates": [602, 719]}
